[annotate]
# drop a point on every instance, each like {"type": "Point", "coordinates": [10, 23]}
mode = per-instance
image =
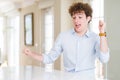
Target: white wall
{"type": "Point", "coordinates": [112, 18]}
{"type": "Point", "coordinates": [66, 20]}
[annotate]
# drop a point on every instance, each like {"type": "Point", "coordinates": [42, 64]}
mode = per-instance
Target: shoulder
{"type": "Point", "coordinates": [66, 33]}
{"type": "Point", "coordinates": [93, 34]}
{"type": "Point", "coordinates": [96, 38]}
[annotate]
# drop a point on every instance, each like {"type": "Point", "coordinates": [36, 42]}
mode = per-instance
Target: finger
{"type": "Point", "coordinates": [27, 51]}
{"type": "Point", "coordinates": [101, 23]}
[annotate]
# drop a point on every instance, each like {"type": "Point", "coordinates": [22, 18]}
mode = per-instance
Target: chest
{"type": "Point", "coordinates": [71, 43]}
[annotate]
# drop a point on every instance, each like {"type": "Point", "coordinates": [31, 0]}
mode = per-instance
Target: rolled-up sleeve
{"type": "Point", "coordinates": [54, 52]}
{"type": "Point", "coordinates": [103, 57]}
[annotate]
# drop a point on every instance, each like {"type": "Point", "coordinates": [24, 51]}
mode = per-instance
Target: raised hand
{"type": "Point", "coordinates": [101, 26]}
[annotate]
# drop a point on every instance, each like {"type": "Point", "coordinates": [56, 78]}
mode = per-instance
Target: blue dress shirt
{"type": "Point", "coordinates": [79, 53]}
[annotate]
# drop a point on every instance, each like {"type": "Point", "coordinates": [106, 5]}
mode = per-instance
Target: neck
{"type": "Point", "coordinates": [81, 33]}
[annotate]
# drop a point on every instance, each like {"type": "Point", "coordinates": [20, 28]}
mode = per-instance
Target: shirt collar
{"type": "Point", "coordinates": [87, 34]}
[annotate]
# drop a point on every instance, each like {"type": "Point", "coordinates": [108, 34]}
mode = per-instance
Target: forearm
{"type": "Point", "coordinates": [103, 44]}
{"type": "Point", "coordinates": [36, 56]}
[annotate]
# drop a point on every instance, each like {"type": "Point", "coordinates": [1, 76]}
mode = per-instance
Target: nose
{"type": "Point", "coordinates": [76, 20]}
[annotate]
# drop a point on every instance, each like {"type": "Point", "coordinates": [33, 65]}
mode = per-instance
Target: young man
{"type": "Point", "coordinates": [79, 46]}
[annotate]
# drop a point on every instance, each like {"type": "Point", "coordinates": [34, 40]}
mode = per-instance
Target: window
{"type": "Point", "coordinates": [98, 14]}
{"type": "Point", "coordinates": [1, 38]}
{"type": "Point", "coordinates": [48, 32]}
{"type": "Point", "coordinates": [12, 43]}
{"type": "Point", "coordinates": [9, 42]}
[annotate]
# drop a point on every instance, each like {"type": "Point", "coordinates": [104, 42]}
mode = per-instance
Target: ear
{"type": "Point", "coordinates": [88, 19]}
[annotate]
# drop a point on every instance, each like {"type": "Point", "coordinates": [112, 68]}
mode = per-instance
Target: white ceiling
{"type": "Point", "coordinates": [8, 5]}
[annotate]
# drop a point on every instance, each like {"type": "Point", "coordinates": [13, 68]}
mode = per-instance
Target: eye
{"type": "Point", "coordinates": [74, 17]}
{"type": "Point", "coordinates": [80, 17]}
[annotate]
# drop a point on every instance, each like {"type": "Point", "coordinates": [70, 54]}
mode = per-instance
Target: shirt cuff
{"type": "Point", "coordinates": [105, 56]}
{"type": "Point", "coordinates": [44, 58]}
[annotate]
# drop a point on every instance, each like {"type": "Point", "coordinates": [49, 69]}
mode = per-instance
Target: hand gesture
{"type": "Point", "coordinates": [101, 26]}
{"type": "Point", "coordinates": [27, 51]}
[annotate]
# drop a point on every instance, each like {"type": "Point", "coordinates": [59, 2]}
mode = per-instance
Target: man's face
{"type": "Point", "coordinates": [80, 21]}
